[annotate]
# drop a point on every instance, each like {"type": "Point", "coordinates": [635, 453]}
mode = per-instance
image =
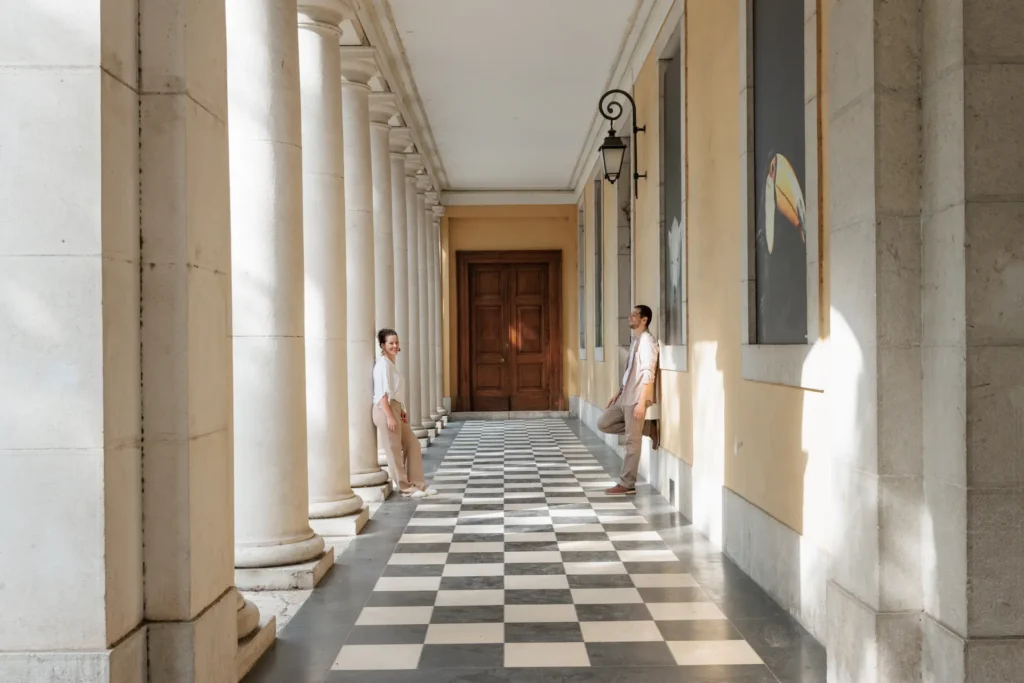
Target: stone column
{"type": "Point", "coordinates": [433, 325]}
{"type": "Point", "coordinates": [198, 622]}
{"type": "Point", "coordinates": [438, 316]}
{"type": "Point", "coordinates": [334, 509]}
{"type": "Point", "coordinates": [271, 482]}
{"type": "Point", "coordinates": [382, 108]}
{"type": "Point", "coordinates": [71, 539]}
{"type": "Point", "coordinates": [423, 307]}
{"type": "Point", "coordinates": [413, 351]}
{"type": "Point", "coordinates": [357, 68]}
{"type": "Point", "coordinates": [972, 257]}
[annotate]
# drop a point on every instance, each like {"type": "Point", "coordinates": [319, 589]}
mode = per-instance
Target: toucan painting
{"type": "Point", "coordinates": [781, 227]}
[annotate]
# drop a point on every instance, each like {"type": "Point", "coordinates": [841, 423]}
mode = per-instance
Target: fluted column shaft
{"type": "Point", "coordinates": [423, 309]}
{"type": "Point", "coordinates": [271, 494]}
{"type": "Point", "coordinates": [438, 299]}
{"type": "Point", "coordinates": [323, 207]}
{"type": "Point", "coordinates": [359, 267]}
{"type": "Point", "coordinates": [432, 322]}
{"type": "Point", "coordinates": [413, 351]}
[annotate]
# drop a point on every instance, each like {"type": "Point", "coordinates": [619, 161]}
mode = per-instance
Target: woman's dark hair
{"type": "Point", "coordinates": [383, 335]}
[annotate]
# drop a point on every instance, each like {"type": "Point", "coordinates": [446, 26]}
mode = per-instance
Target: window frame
{"type": "Point", "coordinates": [793, 365]}
{"type": "Point", "coordinates": [673, 357]}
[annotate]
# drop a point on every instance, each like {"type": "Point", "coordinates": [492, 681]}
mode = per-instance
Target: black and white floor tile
{"type": "Point", "coordinates": [522, 570]}
{"type": "Point", "coordinates": [523, 561]}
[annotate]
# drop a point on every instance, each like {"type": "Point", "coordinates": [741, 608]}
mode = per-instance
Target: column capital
{"type": "Point", "coordinates": [422, 184]}
{"type": "Point", "coordinates": [401, 139]}
{"type": "Point", "coordinates": [383, 106]}
{"type": "Point", "coordinates": [438, 212]}
{"type": "Point", "coordinates": [324, 14]}
{"type": "Point", "coordinates": [431, 198]}
{"type": "Point", "coordinates": [358, 65]}
{"type": "Point", "coordinates": [413, 165]}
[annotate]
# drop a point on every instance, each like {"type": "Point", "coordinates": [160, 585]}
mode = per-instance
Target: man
{"type": "Point", "coordinates": [625, 413]}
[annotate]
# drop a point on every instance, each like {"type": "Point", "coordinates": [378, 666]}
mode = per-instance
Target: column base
{"type": "Point", "coordinates": [375, 494]}
{"type": "Point", "coordinates": [435, 416]}
{"type": "Point", "coordinates": [202, 649]}
{"type": "Point", "coordinates": [279, 555]}
{"type": "Point", "coordinates": [303, 576]}
{"type": "Point", "coordinates": [254, 646]}
{"type": "Point", "coordinates": [126, 663]}
{"type": "Point", "coordinates": [363, 479]}
{"type": "Point", "coordinates": [432, 433]}
{"type": "Point", "coordinates": [439, 425]}
{"type": "Point", "coordinates": [949, 657]}
{"type": "Point", "coordinates": [348, 525]}
{"type": "Point", "coordinates": [865, 645]}
{"type": "Point", "coordinates": [382, 459]}
{"type": "Point", "coordinates": [336, 508]}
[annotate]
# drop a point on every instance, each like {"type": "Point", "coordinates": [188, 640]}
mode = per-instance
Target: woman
{"type": "Point", "coordinates": [405, 458]}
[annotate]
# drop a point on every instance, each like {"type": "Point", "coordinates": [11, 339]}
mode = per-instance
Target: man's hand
{"type": "Point", "coordinates": [613, 400]}
{"type": "Point", "coordinates": [639, 411]}
{"type": "Point", "coordinates": [405, 417]}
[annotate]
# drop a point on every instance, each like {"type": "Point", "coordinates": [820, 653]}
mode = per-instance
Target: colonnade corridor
{"type": "Point", "coordinates": [522, 569]}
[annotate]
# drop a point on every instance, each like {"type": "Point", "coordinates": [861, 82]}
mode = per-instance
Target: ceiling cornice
{"type": "Point", "coordinates": [509, 197]}
{"type": "Point", "coordinates": [378, 23]}
{"type": "Point", "coordinates": [646, 29]}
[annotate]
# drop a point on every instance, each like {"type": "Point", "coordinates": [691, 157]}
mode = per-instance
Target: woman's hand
{"type": "Point", "coordinates": [392, 424]}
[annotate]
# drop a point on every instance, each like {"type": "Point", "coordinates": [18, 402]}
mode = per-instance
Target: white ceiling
{"type": "Point", "coordinates": [510, 87]}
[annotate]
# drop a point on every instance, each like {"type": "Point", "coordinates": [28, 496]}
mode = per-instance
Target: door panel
{"type": "Point", "coordinates": [528, 359]}
{"type": "Point", "coordinates": [488, 290]}
{"type": "Point", "coordinates": [509, 344]}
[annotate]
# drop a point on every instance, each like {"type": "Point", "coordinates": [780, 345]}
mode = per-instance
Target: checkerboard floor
{"type": "Point", "coordinates": [523, 561]}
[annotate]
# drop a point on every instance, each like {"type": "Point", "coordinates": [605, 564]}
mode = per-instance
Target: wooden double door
{"type": "Point", "coordinates": [510, 337]}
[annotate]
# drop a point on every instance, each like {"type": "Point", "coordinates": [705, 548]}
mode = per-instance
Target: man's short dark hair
{"type": "Point", "coordinates": [645, 312]}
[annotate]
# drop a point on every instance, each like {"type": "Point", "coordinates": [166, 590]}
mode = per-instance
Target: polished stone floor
{"type": "Point", "coordinates": [521, 569]}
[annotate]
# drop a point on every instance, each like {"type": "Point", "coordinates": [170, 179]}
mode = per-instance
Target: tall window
{"type": "Point", "coordinates": [581, 252]}
{"type": "Point", "coordinates": [672, 241]}
{"type": "Point", "coordinates": [779, 167]}
{"type": "Point", "coordinates": [598, 262]}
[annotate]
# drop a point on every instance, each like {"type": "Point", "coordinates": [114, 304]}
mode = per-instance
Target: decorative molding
{"type": "Point", "coordinates": [499, 197]}
{"type": "Point", "coordinates": [648, 21]}
{"type": "Point", "coordinates": [383, 107]}
{"type": "Point", "coordinates": [378, 23]}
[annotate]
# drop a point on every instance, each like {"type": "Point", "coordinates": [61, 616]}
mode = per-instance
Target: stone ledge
{"type": "Point", "coordinates": [303, 576]}
{"type": "Point", "coordinates": [126, 663]}
{"type": "Point", "coordinates": [251, 648]}
{"type": "Point", "coordinates": [349, 525]}
{"type": "Point", "coordinates": [373, 494]}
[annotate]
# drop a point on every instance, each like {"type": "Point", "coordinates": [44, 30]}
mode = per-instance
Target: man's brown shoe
{"type": "Point", "coordinates": [619, 490]}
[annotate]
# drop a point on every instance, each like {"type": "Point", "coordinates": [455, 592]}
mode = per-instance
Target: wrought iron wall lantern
{"type": "Point", "coordinates": [614, 149]}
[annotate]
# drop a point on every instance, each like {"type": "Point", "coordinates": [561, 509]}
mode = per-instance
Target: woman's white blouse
{"type": "Point", "coordinates": [387, 380]}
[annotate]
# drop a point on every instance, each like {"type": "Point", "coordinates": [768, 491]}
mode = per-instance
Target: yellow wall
{"type": "Point", "coordinates": [762, 433]}
{"type": "Point", "coordinates": [511, 228]}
